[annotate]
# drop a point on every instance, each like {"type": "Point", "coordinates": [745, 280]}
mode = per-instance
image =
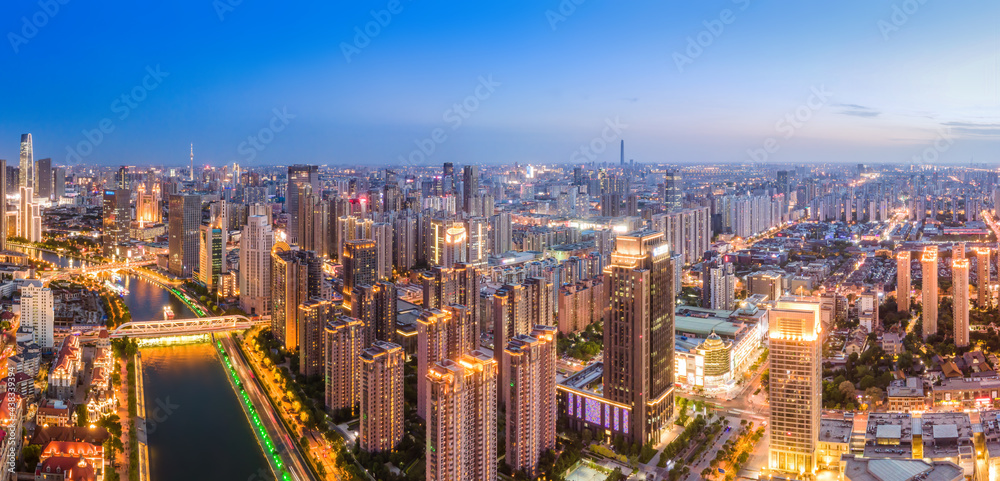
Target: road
{"type": "Point", "coordinates": [298, 466]}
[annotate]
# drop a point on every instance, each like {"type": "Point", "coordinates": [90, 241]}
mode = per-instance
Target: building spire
{"type": "Point", "coordinates": [192, 162]}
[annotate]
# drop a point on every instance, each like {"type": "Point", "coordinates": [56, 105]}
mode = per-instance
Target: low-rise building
{"type": "Point", "coordinates": [834, 442]}
{"type": "Point", "coordinates": [905, 396]}
{"type": "Point", "coordinates": [877, 469]}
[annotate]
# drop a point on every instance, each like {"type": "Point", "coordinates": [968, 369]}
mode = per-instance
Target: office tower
{"type": "Point", "coordinates": [385, 311]}
{"type": "Point", "coordinates": [58, 182]}
{"type": "Point", "coordinates": [359, 260]}
{"type": "Point", "coordinates": [296, 276]}
{"type": "Point", "coordinates": [116, 215]}
{"type": "Point", "coordinates": [461, 419]}
{"type": "Point", "coordinates": [903, 281]}
{"type": "Point", "coordinates": [673, 193]}
{"type": "Point", "coordinates": [500, 233]}
{"type": "Point", "coordinates": [313, 316]}
{"type": "Point", "coordinates": [299, 176]}
{"type": "Point", "coordinates": [719, 285]}
{"type": "Point", "coordinates": [382, 235]}
{"type": "Point", "coordinates": [27, 163]}
{"type": "Point", "coordinates": [29, 219]}
{"type": "Point", "coordinates": [530, 397]}
{"type": "Point", "coordinates": [183, 224]}
{"type": "Point", "coordinates": [796, 384]}
{"type": "Point", "coordinates": [477, 252]}
{"type": "Point", "coordinates": [982, 276]}
{"type": "Point", "coordinates": [960, 304]}
{"type": "Point", "coordinates": [638, 337]}
{"type": "Point", "coordinates": [470, 186]}
{"type": "Point", "coordinates": [783, 182]}
{"type": "Point", "coordinates": [929, 289]}
{"type": "Point", "coordinates": [38, 313]}
{"type": "Point", "coordinates": [211, 256]}
{"type": "Point", "coordinates": [43, 170]}
{"type": "Point", "coordinates": [256, 241]}
{"type": "Point", "coordinates": [448, 179]}
{"type": "Point", "coordinates": [381, 422]}
{"type": "Point", "coordinates": [340, 371]}
{"type": "Point", "coordinates": [539, 294]}
{"type": "Point", "coordinates": [448, 243]}
{"type": "Point", "coordinates": [147, 205]}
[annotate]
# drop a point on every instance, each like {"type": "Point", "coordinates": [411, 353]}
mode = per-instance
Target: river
{"type": "Point", "coordinates": [196, 428]}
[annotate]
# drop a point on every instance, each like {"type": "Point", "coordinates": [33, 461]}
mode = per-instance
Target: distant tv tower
{"type": "Point", "coordinates": [192, 162]}
{"type": "Point", "coordinates": [623, 152]}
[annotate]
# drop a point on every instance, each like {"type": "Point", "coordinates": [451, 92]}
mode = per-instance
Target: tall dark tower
{"type": "Point", "coordinates": [623, 153]}
{"type": "Point", "coordinates": [638, 338]}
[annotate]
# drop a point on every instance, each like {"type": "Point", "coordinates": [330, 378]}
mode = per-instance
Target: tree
{"type": "Point", "coordinates": [847, 388]}
{"type": "Point", "coordinates": [873, 396]}
{"type": "Point", "coordinates": [81, 415]}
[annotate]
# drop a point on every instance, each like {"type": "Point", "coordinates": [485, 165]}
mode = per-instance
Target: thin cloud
{"type": "Point", "coordinates": [974, 129]}
{"type": "Point", "coordinates": [856, 110]}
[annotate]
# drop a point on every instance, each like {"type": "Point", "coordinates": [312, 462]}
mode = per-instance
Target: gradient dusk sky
{"type": "Point", "coordinates": [688, 82]}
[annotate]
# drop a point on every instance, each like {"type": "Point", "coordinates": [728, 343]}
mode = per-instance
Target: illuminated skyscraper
{"type": "Point", "coordinates": [470, 188]}
{"type": "Point", "coordinates": [184, 221]}
{"type": "Point", "coordinates": [903, 281]}
{"type": "Point", "coordinates": [638, 338]}
{"type": "Point", "coordinates": [211, 256]}
{"type": "Point", "coordinates": [341, 370]}
{"type": "Point", "coordinates": [29, 219]}
{"type": "Point", "coordinates": [43, 172]}
{"type": "Point", "coordinates": [313, 316]}
{"type": "Point", "coordinates": [476, 248]}
{"type": "Point", "coordinates": [960, 304]}
{"type": "Point", "coordinates": [295, 278]}
{"type": "Point", "coordinates": [929, 289]}
{"type": "Point", "coordinates": [530, 397]}
{"type": "Point", "coordinates": [359, 260]}
{"type": "Point", "coordinates": [444, 333]}
{"type": "Point", "coordinates": [299, 176]}
{"type": "Point", "coordinates": [381, 422]}
{"type": "Point", "coordinates": [461, 412]}
{"type": "Point", "coordinates": [27, 163]}
{"type": "Point", "coordinates": [256, 242]}
{"type": "Point", "coordinates": [983, 276]}
{"type": "Point", "coordinates": [796, 387]}
{"type": "Point", "coordinates": [116, 215]}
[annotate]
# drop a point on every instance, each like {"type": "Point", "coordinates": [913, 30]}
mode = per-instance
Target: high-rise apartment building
{"type": "Point", "coordinates": [719, 286]}
{"type": "Point", "coordinates": [673, 190]}
{"type": "Point", "coordinates": [27, 163]}
{"type": "Point", "coordinates": [530, 397]}
{"type": "Point", "coordinates": [183, 225]}
{"type": "Point", "coordinates": [903, 281]}
{"type": "Point", "coordinates": [960, 304]}
{"type": "Point", "coordinates": [385, 311]}
{"type": "Point", "coordinates": [929, 289]}
{"type": "Point", "coordinates": [256, 242]}
{"type": "Point", "coordinates": [461, 412]}
{"type": "Point", "coordinates": [441, 334]}
{"type": "Point", "coordinates": [382, 235]}
{"type": "Point", "coordinates": [211, 256]}
{"type": "Point", "coordinates": [341, 370]}
{"type": "Point", "coordinates": [501, 232]}
{"type": "Point", "coordinates": [510, 314]}
{"type": "Point", "coordinates": [360, 264]}
{"type": "Point", "coordinates": [381, 422]}
{"type": "Point", "coordinates": [796, 386]}
{"type": "Point", "coordinates": [38, 313]}
{"type": "Point", "coordinates": [581, 304]}
{"type": "Point", "coordinates": [299, 177]}
{"type": "Point", "coordinates": [313, 316]}
{"type": "Point", "coordinates": [638, 337]}
{"type": "Point", "coordinates": [116, 214]}
{"type": "Point", "coordinates": [982, 276]}
{"type": "Point", "coordinates": [540, 309]}
{"type": "Point", "coordinates": [477, 251]}
{"type": "Point", "coordinates": [296, 277]}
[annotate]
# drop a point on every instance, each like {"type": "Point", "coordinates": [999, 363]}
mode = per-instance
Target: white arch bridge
{"type": "Point", "coordinates": [183, 327]}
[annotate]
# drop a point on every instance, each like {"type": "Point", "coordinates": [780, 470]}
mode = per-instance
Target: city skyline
{"type": "Point", "coordinates": [683, 84]}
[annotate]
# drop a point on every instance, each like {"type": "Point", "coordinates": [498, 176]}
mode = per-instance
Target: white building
{"type": "Point", "coordinates": [38, 313]}
{"type": "Point", "coordinates": [256, 241]}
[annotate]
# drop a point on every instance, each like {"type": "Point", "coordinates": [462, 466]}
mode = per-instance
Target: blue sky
{"type": "Point", "coordinates": [869, 81]}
